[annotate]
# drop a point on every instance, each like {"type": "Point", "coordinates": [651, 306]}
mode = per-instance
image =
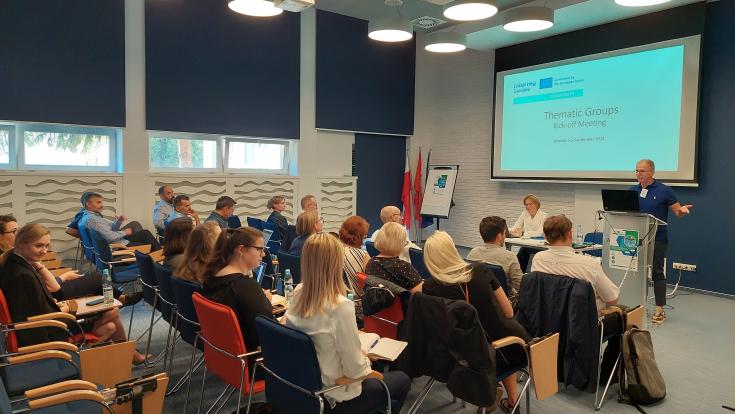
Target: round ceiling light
{"type": "Point", "coordinates": [390, 30]}
{"type": "Point", "coordinates": [528, 19]}
{"type": "Point", "coordinates": [445, 42]}
{"type": "Point", "coordinates": [466, 10]}
{"type": "Point", "coordinates": [256, 8]}
{"type": "Point", "coordinates": [640, 3]}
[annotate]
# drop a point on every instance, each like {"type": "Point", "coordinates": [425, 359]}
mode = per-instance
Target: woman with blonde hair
{"type": "Point", "coordinates": [453, 278]}
{"type": "Point", "coordinates": [198, 252]}
{"type": "Point", "coordinates": [390, 241]}
{"type": "Point", "coordinates": [307, 223]}
{"type": "Point", "coordinates": [321, 310]}
{"type": "Point", "coordinates": [28, 286]}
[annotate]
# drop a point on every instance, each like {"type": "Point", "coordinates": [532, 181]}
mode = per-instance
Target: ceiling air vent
{"type": "Point", "coordinates": [427, 22]}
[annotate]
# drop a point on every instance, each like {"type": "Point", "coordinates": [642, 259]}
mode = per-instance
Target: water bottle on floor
{"type": "Point", "coordinates": [288, 285]}
{"type": "Point", "coordinates": [107, 287]}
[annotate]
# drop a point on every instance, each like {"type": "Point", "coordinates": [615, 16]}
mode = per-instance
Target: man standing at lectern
{"type": "Point", "coordinates": [656, 198]}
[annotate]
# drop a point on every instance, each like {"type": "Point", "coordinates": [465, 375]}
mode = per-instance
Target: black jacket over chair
{"type": "Point", "coordinates": [552, 303]}
{"type": "Point", "coordinates": [27, 296]}
{"type": "Point", "coordinates": [447, 343]}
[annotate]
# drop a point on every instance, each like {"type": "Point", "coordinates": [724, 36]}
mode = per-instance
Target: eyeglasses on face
{"type": "Point", "coordinates": [260, 248]}
{"type": "Point", "coordinates": [10, 231]}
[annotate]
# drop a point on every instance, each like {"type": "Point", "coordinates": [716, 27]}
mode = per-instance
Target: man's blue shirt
{"type": "Point", "coordinates": [657, 202]}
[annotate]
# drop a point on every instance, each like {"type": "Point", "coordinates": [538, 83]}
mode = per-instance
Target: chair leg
{"type": "Point", "coordinates": [388, 408]}
{"type": "Point", "coordinates": [187, 375]}
{"type": "Point", "coordinates": [421, 397]}
{"type": "Point", "coordinates": [130, 324]}
{"type": "Point", "coordinates": [191, 363]}
{"type": "Point", "coordinates": [226, 392]}
{"type": "Point", "coordinates": [528, 399]}
{"type": "Point", "coordinates": [250, 392]}
{"type": "Point", "coordinates": [201, 391]}
{"type": "Point", "coordinates": [149, 364]}
{"type": "Point", "coordinates": [598, 404]}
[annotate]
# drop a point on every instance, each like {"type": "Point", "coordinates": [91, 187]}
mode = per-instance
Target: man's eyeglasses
{"type": "Point", "coordinates": [11, 231]}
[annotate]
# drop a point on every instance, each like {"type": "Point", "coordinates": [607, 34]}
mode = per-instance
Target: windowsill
{"type": "Point", "coordinates": [58, 173]}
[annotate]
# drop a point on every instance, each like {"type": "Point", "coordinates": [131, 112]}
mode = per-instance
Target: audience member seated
{"type": "Point", "coordinates": [183, 208]}
{"type": "Point", "coordinates": [321, 310]}
{"type": "Point", "coordinates": [72, 228]}
{"type": "Point", "coordinates": [228, 279]}
{"type": "Point", "coordinates": [387, 265]}
{"type": "Point", "coordinates": [130, 235]}
{"type": "Point", "coordinates": [175, 240]}
{"type": "Point", "coordinates": [492, 230]}
{"type": "Point", "coordinates": [352, 233]}
{"type": "Point", "coordinates": [164, 208]}
{"type": "Point", "coordinates": [8, 228]}
{"type": "Point", "coordinates": [560, 259]}
{"type": "Point", "coordinates": [198, 252]}
{"type": "Point", "coordinates": [223, 210]}
{"type": "Point", "coordinates": [453, 278]}
{"type": "Point", "coordinates": [28, 288]}
{"type": "Point", "coordinates": [307, 223]}
{"type": "Point", "coordinates": [529, 224]}
{"type": "Point", "coordinates": [278, 204]}
{"type": "Point", "coordinates": [308, 203]}
{"type": "Point", "coordinates": [393, 214]}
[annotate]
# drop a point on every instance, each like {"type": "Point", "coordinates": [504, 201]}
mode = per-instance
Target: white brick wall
{"type": "Point", "coordinates": [454, 107]}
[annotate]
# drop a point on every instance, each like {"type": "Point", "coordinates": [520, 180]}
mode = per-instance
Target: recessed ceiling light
{"type": "Point", "coordinates": [256, 8]}
{"type": "Point", "coordinates": [640, 3]}
{"type": "Point", "coordinates": [528, 19]}
{"type": "Point", "coordinates": [445, 42]}
{"type": "Point", "coordinates": [390, 30]}
{"type": "Point", "coordinates": [467, 10]}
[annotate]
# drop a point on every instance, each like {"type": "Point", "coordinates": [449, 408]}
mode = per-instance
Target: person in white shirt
{"type": "Point", "coordinates": [321, 310]}
{"type": "Point", "coordinates": [393, 214]}
{"type": "Point", "coordinates": [529, 224]}
{"type": "Point", "coordinates": [561, 259]}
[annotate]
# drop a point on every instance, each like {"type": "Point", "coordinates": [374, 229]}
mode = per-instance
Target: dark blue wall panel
{"type": "Point", "coordinates": [211, 70]}
{"type": "Point", "coordinates": [378, 162]}
{"type": "Point", "coordinates": [362, 85]}
{"type": "Point", "coordinates": [63, 61]}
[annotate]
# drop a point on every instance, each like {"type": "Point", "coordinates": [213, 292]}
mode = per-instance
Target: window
{"type": "Point", "coordinates": [257, 155]}
{"type": "Point", "coordinates": [183, 154]}
{"type": "Point", "coordinates": [5, 133]}
{"type": "Point", "coordinates": [188, 152]}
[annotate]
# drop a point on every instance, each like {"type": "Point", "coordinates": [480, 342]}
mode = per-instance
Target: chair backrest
{"type": "Point", "coordinates": [384, 322]}
{"type": "Point", "coordinates": [147, 276]}
{"type": "Point", "coordinates": [10, 342]}
{"type": "Point", "coordinates": [255, 223]}
{"type": "Point", "coordinates": [87, 246]}
{"type": "Point", "coordinates": [594, 238]}
{"type": "Point", "coordinates": [291, 355]}
{"type": "Point", "coordinates": [371, 249]}
{"type": "Point", "coordinates": [220, 328]}
{"type": "Point", "coordinates": [234, 222]}
{"type": "Point", "coordinates": [292, 262]}
{"type": "Point", "coordinates": [499, 274]}
{"type": "Point", "coordinates": [185, 308]}
{"type": "Point", "coordinates": [165, 290]}
{"type": "Point", "coordinates": [276, 236]}
{"type": "Point", "coordinates": [417, 261]}
{"type": "Point", "coordinates": [102, 251]}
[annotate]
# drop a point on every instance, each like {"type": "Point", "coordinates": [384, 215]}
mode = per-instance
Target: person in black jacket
{"type": "Point", "coordinates": [228, 279]}
{"type": "Point", "coordinates": [28, 287]}
{"type": "Point", "coordinates": [453, 278]}
{"type": "Point", "coordinates": [278, 204]}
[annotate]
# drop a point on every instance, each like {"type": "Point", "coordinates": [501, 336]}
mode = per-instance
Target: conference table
{"type": "Point", "coordinates": [540, 244]}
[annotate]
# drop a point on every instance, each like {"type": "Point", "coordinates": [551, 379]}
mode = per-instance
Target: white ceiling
{"type": "Point", "coordinates": [488, 34]}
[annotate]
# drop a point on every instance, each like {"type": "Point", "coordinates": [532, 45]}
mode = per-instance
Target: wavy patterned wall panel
{"type": "Point", "coordinates": [54, 201]}
{"type": "Point", "coordinates": [337, 200]}
{"type": "Point", "coordinates": [6, 195]}
{"type": "Point", "coordinates": [250, 193]}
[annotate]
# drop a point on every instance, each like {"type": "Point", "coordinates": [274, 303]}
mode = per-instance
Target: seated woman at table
{"type": "Point", "coordinates": [198, 252]}
{"type": "Point", "coordinates": [228, 279]}
{"type": "Point", "coordinates": [307, 223]}
{"type": "Point", "coordinates": [321, 309]}
{"type": "Point", "coordinates": [176, 237]}
{"type": "Point", "coordinates": [529, 224]}
{"type": "Point", "coordinates": [28, 287]}
{"type": "Point", "coordinates": [453, 278]}
{"type": "Point", "coordinates": [387, 265]}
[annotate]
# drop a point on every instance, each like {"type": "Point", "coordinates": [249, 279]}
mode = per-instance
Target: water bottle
{"type": "Point", "coordinates": [274, 262]}
{"type": "Point", "coordinates": [351, 296]}
{"type": "Point", "coordinates": [107, 287]}
{"type": "Point", "coordinates": [288, 285]}
{"type": "Point", "coordinates": [580, 236]}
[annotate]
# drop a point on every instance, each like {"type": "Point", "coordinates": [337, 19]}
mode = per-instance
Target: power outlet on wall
{"type": "Point", "coordinates": [685, 267]}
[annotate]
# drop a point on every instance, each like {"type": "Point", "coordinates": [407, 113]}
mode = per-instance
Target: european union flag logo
{"type": "Point", "coordinates": [546, 83]}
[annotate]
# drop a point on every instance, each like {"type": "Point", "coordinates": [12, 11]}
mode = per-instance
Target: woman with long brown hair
{"type": "Point", "coordinates": [176, 237]}
{"type": "Point", "coordinates": [198, 252]}
{"type": "Point", "coordinates": [321, 310]}
{"type": "Point", "coordinates": [27, 286]}
{"type": "Point", "coordinates": [228, 279]}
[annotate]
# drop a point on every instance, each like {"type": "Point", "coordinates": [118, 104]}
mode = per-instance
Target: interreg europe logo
{"type": "Point", "coordinates": [546, 83]}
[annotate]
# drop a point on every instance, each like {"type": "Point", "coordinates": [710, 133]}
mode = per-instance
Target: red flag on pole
{"type": "Point", "coordinates": [417, 196]}
{"type": "Point", "coordinates": [406, 194]}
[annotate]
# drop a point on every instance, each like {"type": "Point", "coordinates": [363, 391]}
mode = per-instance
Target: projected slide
{"type": "Point", "coordinates": [596, 117]}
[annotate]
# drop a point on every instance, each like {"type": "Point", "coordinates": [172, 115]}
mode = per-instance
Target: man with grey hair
{"type": "Point", "coordinates": [393, 213]}
{"type": "Point", "coordinates": [656, 198]}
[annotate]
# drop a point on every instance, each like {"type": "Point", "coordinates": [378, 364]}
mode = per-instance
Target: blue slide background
{"type": "Point", "coordinates": [646, 89]}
